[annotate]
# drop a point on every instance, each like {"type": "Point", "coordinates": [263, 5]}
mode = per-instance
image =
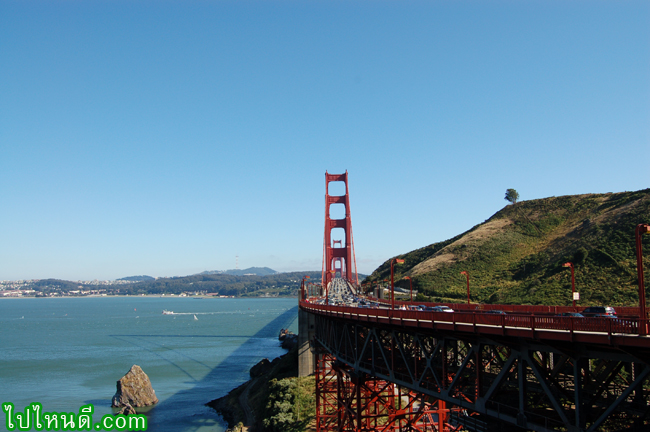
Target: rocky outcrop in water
{"type": "Point", "coordinates": [288, 339]}
{"type": "Point", "coordinates": [134, 389]}
{"type": "Point", "coordinates": [126, 410]}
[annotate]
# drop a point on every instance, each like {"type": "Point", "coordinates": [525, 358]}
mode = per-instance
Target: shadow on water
{"type": "Point", "coordinates": [141, 346]}
{"type": "Point", "coordinates": [166, 415]}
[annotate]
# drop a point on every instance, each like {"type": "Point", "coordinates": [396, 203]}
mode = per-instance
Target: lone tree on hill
{"type": "Point", "coordinates": [512, 196]}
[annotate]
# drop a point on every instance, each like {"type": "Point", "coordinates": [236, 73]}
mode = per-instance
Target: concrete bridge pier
{"type": "Point", "coordinates": [306, 331]}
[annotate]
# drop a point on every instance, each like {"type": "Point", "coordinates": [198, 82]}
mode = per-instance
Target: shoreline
{"type": "Point", "coordinates": [240, 408]}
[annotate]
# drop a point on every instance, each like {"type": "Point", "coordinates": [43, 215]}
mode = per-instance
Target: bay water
{"type": "Point", "coordinates": [69, 352]}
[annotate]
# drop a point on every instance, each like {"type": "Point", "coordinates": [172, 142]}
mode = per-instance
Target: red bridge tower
{"type": "Point", "coordinates": [338, 259]}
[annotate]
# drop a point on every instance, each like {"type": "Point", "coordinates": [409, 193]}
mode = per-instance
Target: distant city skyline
{"type": "Point", "coordinates": [169, 138]}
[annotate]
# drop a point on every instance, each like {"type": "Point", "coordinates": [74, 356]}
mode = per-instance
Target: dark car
{"type": "Point", "coordinates": [599, 311]}
{"type": "Point", "coordinates": [495, 311]}
{"type": "Point", "coordinates": [440, 309]}
{"type": "Point", "coordinates": [571, 314]}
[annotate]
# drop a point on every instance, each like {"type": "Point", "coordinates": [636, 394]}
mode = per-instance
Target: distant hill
{"type": "Point", "coordinates": [136, 278]}
{"type": "Point", "coordinates": [211, 272]}
{"type": "Point", "coordinates": [246, 284]}
{"type": "Point", "coordinates": [277, 284]}
{"type": "Point", "coordinates": [257, 271]}
{"type": "Point", "coordinates": [516, 256]}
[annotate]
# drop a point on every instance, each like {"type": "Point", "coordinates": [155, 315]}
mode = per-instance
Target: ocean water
{"type": "Point", "coordinates": [68, 352]}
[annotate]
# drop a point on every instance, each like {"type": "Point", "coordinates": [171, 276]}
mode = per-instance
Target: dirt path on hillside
{"type": "Point", "coordinates": [245, 406]}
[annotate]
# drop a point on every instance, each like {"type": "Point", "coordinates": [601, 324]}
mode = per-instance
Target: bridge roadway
{"type": "Point", "coordinates": [623, 332]}
{"type": "Point", "coordinates": [534, 370]}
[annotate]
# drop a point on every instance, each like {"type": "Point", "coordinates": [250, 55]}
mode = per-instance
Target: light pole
{"type": "Point", "coordinates": [573, 283]}
{"type": "Point", "coordinates": [302, 287]}
{"type": "Point", "coordinates": [392, 285]}
{"type": "Point", "coordinates": [467, 275]}
{"type": "Point", "coordinates": [643, 317]}
{"type": "Point", "coordinates": [327, 288]}
{"type": "Point", "coordinates": [410, 287]}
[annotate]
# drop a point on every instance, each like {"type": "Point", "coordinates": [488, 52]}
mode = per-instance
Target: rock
{"type": "Point", "coordinates": [290, 341]}
{"type": "Point", "coordinates": [127, 410]}
{"type": "Point", "coordinates": [260, 368]}
{"type": "Point", "coordinates": [284, 333]}
{"type": "Point", "coordinates": [134, 389]}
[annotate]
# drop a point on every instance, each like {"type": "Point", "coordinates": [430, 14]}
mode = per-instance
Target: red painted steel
{"type": "Point", "coordinates": [343, 255]}
{"type": "Point", "coordinates": [534, 385]}
{"type": "Point", "coordinates": [601, 331]}
{"type": "Point", "coordinates": [573, 282]}
{"type": "Point", "coordinates": [351, 402]}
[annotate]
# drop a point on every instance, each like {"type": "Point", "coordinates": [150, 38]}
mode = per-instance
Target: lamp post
{"type": "Point", "coordinates": [467, 275]}
{"type": "Point", "coordinates": [410, 287]}
{"type": "Point", "coordinates": [392, 285]}
{"type": "Point", "coordinates": [643, 317]}
{"type": "Point", "coordinates": [302, 287]}
{"type": "Point", "coordinates": [327, 288]}
{"type": "Point", "coordinates": [573, 283]}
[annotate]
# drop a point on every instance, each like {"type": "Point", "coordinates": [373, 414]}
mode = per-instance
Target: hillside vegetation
{"type": "Point", "coordinates": [279, 400]}
{"type": "Point", "coordinates": [276, 284]}
{"type": "Point", "coordinates": [516, 256]}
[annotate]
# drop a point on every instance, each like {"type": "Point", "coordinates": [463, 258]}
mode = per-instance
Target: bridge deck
{"type": "Point", "coordinates": [601, 331]}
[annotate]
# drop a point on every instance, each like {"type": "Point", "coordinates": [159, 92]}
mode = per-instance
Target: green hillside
{"type": "Point", "coordinates": [276, 284]}
{"type": "Point", "coordinates": [516, 256]}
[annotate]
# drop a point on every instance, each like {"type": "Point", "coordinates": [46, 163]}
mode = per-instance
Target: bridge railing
{"type": "Point", "coordinates": [479, 321]}
{"type": "Point", "coordinates": [622, 311]}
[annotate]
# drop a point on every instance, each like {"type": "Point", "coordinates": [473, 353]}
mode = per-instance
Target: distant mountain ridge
{"type": "Point", "coordinates": [142, 278]}
{"type": "Point", "coordinates": [517, 255]}
{"type": "Point", "coordinates": [277, 284]}
{"type": "Point", "coordinates": [257, 271]}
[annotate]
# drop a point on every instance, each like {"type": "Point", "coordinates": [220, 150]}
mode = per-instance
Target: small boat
{"type": "Point", "coordinates": [166, 312]}
{"type": "Point", "coordinates": [195, 318]}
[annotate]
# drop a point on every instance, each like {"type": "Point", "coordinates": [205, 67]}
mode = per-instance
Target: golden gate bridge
{"type": "Point", "coordinates": [387, 365]}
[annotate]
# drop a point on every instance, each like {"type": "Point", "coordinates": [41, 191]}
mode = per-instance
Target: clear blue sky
{"type": "Point", "coordinates": [167, 137]}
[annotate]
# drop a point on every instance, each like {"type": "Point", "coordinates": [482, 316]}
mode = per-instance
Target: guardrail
{"type": "Point", "coordinates": [599, 330]}
{"type": "Point", "coordinates": [622, 311]}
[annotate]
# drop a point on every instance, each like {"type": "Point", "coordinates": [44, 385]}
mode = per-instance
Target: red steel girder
{"type": "Point", "coordinates": [525, 383]}
{"type": "Point", "coordinates": [351, 402]}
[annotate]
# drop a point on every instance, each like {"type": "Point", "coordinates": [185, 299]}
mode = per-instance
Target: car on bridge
{"type": "Point", "coordinates": [495, 312]}
{"type": "Point", "coordinates": [599, 311]}
{"type": "Point", "coordinates": [440, 309]}
{"type": "Point", "coordinates": [571, 314]}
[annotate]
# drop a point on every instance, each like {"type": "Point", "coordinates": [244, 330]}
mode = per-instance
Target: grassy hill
{"type": "Point", "coordinates": [516, 256]}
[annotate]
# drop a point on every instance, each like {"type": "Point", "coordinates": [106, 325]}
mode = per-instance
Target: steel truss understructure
{"type": "Point", "coordinates": [374, 377]}
{"type": "Point", "coordinates": [351, 401]}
